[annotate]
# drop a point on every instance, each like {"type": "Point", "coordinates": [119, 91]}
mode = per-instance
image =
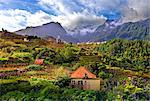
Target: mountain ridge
{"type": "Point", "coordinates": [132, 30]}
{"type": "Point", "coordinates": [53, 29]}
{"type": "Point", "coordinates": [139, 30]}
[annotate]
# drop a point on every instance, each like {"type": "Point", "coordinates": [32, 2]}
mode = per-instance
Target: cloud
{"type": "Point", "coordinates": [12, 19]}
{"type": "Point", "coordinates": [99, 5]}
{"type": "Point", "coordinates": [135, 10]}
{"type": "Point", "coordinates": [141, 6]}
{"type": "Point", "coordinates": [72, 21]}
{"type": "Point", "coordinates": [17, 19]}
{"type": "Point", "coordinates": [80, 22]}
{"type": "Point", "coordinates": [38, 18]}
{"type": "Point", "coordinates": [62, 7]}
{"type": "Point", "coordinates": [72, 14]}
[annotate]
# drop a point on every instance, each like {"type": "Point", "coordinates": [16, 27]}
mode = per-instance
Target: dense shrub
{"type": "Point", "coordinates": [133, 55]}
{"type": "Point", "coordinates": [63, 82]}
{"type": "Point", "coordinates": [40, 89]}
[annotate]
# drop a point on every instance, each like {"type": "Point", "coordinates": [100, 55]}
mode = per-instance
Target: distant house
{"type": "Point", "coordinates": [20, 70]}
{"type": "Point", "coordinates": [58, 40]}
{"type": "Point", "coordinates": [39, 61]}
{"type": "Point", "coordinates": [84, 79]}
{"type": "Point", "coordinates": [26, 39]}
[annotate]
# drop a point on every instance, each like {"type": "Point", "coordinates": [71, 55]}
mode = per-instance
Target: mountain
{"type": "Point", "coordinates": [53, 29]}
{"type": "Point", "coordinates": [83, 34]}
{"type": "Point", "coordinates": [132, 30]}
{"type": "Point", "coordinates": [112, 29]}
{"type": "Point", "coordinates": [109, 30]}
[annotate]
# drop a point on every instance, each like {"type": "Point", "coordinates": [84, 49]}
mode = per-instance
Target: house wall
{"type": "Point", "coordinates": [86, 84]}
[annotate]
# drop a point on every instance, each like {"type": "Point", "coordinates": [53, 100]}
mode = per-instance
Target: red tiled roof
{"type": "Point", "coordinates": [81, 72]}
{"type": "Point", "coordinates": [39, 61]}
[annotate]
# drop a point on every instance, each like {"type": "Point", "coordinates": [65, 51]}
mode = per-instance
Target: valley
{"type": "Point", "coordinates": [41, 69]}
{"type": "Point", "coordinates": [74, 50]}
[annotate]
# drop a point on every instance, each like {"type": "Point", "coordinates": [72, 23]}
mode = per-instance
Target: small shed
{"type": "Point", "coordinates": [84, 79]}
{"type": "Point", "coordinates": [39, 61]}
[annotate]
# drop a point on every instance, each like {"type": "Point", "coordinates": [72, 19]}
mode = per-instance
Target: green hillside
{"type": "Point", "coordinates": [122, 65]}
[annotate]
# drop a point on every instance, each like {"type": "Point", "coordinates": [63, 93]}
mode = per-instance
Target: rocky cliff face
{"type": "Point", "coordinates": [53, 29]}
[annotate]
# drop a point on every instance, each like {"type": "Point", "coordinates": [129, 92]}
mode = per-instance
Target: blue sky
{"type": "Point", "coordinates": [18, 14]}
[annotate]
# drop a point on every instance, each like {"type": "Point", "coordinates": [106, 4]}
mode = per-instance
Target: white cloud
{"type": "Point", "coordinates": [17, 19]}
{"type": "Point", "coordinates": [79, 20]}
{"type": "Point", "coordinates": [141, 6]}
{"type": "Point", "coordinates": [38, 18]}
{"type": "Point", "coordinates": [62, 7]}
{"type": "Point", "coordinates": [136, 10]}
{"type": "Point", "coordinates": [98, 5]}
{"type": "Point", "coordinates": [13, 20]}
{"type": "Point", "coordinates": [74, 14]}
{"type": "Point", "coordinates": [71, 6]}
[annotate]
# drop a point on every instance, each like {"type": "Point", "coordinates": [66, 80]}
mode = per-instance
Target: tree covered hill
{"type": "Point", "coordinates": [36, 83]}
{"type": "Point", "coordinates": [127, 54]}
{"type": "Point", "coordinates": [19, 48]}
{"type": "Point", "coordinates": [134, 55]}
{"type": "Point", "coordinates": [8, 35]}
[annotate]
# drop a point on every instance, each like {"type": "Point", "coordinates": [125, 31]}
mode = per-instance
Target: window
{"type": "Point", "coordinates": [80, 82]}
{"type": "Point", "coordinates": [73, 82]}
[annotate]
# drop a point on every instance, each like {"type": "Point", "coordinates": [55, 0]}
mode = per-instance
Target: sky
{"type": "Point", "coordinates": [71, 14]}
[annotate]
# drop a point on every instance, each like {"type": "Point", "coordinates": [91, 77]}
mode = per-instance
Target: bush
{"type": "Point", "coordinates": [34, 67]}
{"type": "Point", "coordinates": [3, 60]}
{"type": "Point", "coordinates": [13, 96]}
{"type": "Point", "coordinates": [23, 56]}
{"type": "Point", "coordinates": [63, 82]}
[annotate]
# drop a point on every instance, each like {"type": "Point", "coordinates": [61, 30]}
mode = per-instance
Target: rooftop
{"type": "Point", "coordinates": [82, 72]}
